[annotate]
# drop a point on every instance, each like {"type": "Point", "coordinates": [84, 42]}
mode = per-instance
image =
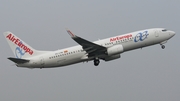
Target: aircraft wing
{"type": "Point", "coordinates": [91, 48]}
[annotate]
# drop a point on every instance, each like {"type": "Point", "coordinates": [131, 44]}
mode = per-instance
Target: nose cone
{"type": "Point", "coordinates": [172, 33]}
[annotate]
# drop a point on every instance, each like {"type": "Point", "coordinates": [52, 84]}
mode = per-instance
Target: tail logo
{"type": "Point", "coordinates": [19, 52]}
{"type": "Point", "coordinates": [21, 48]}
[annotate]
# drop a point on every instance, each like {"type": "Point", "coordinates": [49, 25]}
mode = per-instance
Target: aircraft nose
{"type": "Point", "coordinates": [172, 33]}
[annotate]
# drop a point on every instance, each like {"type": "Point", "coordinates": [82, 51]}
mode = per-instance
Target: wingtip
{"type": "Point", "coordinates": [70, 33]}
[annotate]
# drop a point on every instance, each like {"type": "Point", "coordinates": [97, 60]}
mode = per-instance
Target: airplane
{"type": "Point", "coordinates": [106, 49]}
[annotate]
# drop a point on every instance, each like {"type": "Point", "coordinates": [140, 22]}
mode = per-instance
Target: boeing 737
{"type": "Point", "coordinates": [106, 49]}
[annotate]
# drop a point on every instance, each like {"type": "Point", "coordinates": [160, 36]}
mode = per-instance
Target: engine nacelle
{"type": "Point", "coordinates": [113, 57]}
{"type": "Point", "coordinates": [117, 49]}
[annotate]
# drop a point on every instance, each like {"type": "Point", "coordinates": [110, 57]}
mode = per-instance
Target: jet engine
{"type": "Point", "coordinates": [113, 57]}
{"type": "Point", "coordinates": [117, 49]}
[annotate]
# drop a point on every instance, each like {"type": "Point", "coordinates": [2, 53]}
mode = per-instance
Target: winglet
{"type": "Point", "coordinates": [70, 33]}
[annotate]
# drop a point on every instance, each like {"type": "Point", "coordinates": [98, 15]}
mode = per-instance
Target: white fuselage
{"type": "Point", "coordinates": [76, 54]}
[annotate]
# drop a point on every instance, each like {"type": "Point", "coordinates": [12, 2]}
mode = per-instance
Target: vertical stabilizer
{"type": "Point", "coordinates": [19, 47]}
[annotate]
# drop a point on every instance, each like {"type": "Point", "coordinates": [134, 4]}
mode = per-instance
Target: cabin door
{"type": "Point", "coordinates": [42, 61]}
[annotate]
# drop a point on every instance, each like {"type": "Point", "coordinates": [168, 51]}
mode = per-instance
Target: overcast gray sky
{"type": "Point", "coordinates": [150, 74]}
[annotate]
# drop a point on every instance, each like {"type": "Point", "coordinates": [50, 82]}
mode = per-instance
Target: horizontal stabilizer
{"type": "Point", "coordinates": [16, 60]}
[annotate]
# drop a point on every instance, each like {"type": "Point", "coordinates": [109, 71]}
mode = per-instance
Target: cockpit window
{"type": "Point", "coordinates": [164, 30]}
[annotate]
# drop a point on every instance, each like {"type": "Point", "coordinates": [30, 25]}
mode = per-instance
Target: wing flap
{"type": "Point", "coordinates": [16, 60]}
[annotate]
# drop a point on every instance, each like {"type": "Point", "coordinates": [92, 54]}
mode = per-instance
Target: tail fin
{"type": "Point", "coordinates": [19, 47]}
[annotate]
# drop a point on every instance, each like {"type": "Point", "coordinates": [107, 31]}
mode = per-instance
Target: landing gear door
{"type": "Point", "coordinates": [156, 34]}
